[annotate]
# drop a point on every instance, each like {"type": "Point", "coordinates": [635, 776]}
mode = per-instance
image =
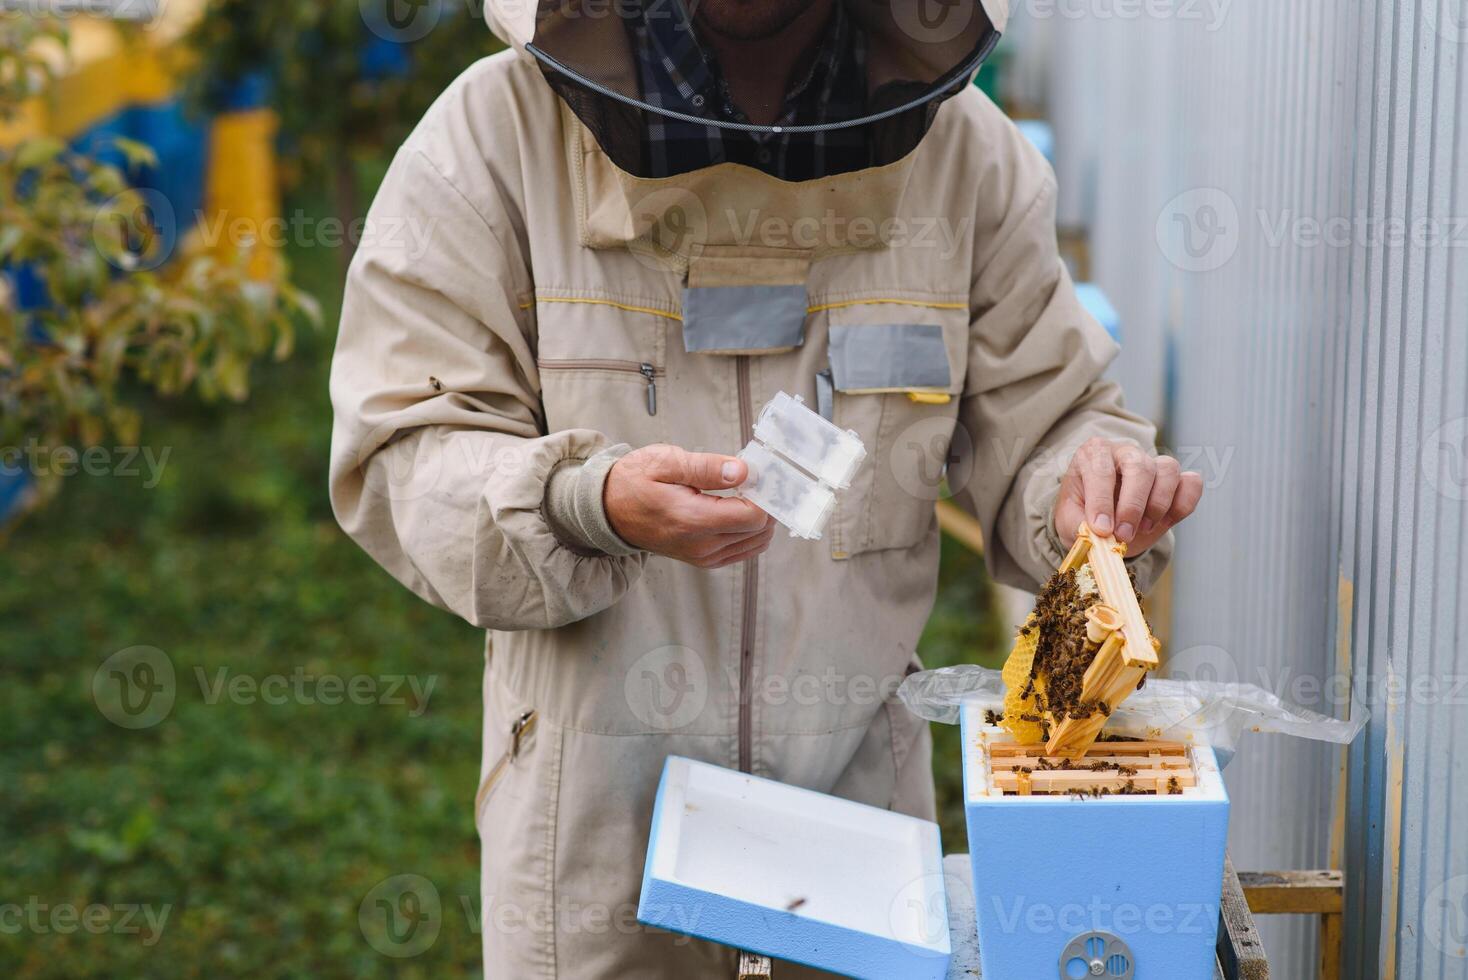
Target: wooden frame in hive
{"type": "Point", "coordinates": [1127, 648]}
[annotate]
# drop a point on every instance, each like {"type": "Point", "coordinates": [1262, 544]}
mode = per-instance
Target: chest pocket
{"type": "Point", "coordinates": [603, 362]}
{"type": "Point", "coordinates": [897, 369]}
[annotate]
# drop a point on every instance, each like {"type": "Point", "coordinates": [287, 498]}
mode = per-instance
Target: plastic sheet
{"type": "Point", "coordinates": [1213, 713]}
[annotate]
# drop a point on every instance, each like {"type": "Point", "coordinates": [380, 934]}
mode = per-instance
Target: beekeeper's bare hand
{"type": "Point", "coordinates": [1124, 491]}
{"type": "Point", "coordinates": [653, 500]}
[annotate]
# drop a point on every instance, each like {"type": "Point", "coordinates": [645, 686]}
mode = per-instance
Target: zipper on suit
{"type": "Point", "coordinates": [650, 373]}
{"type": "Point", "coordinates": [751, 593]}
{"type": "Point", "coordinates": [520, 730]}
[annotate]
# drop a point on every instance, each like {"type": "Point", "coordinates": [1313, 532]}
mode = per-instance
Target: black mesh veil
{"type": "Point", "coordinates": [915, 54]}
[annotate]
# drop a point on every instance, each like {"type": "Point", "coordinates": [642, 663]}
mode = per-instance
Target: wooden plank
{"type": "Point", "coordinates": [961, 526]}
{"type": "Point", "coordinates": [752, 966]}
{"type": "Point", "coordinates": [1134, 761]}
{"type": "Point", "coordinates": [1330, 947]}
{"type": "Point", "coordinates": [1076, 557]}
{"type": "Point", "coordinates": [1293, 892]}
{"type": "Point", "coordinates": [1115, 586]}
{"type": "Point", "coordinates": [998, 750]}
{"type": "Point", "coordinates": [1240, 950]}
{"type": "Point", "coordinates": [1125, 656]}
{"type": "Point", "coordinates": [1075, 245]}
{"type": "Point", "coordinates": [1062, 780]}
{"type": "Point", "coordinates": [1109, 679]}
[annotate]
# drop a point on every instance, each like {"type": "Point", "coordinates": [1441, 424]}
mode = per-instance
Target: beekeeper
{"type": "Point", "coordinates": [633, 229]}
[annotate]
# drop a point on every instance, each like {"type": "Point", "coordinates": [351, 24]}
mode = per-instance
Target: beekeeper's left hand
{"type": "Point", "coordinates": [1124, 491]}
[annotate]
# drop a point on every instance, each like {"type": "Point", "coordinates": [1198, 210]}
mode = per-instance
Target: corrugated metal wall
{"type": "Point", "coordinates": [1276, 195]}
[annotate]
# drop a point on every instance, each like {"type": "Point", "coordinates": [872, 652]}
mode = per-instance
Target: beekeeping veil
{"type": "Point", "coordinates": [917, 53]}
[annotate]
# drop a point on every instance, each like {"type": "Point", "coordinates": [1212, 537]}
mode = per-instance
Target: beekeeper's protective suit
{"type": "Point", "coordinates": [544, 284]}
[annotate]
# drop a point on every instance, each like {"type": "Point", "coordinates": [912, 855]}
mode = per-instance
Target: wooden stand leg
{"type": "Point", "coordinates": [1240, 952]}
{"type": "Point", "coordinates": [1330, 946]}
{"type": "Point", "coordinates": [1302, 893]}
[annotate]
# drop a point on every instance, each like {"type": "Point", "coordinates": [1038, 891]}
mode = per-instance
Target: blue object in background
{"type": "Point", "coordinates": [14, 482]}
{"type": "Point", "coordinates": [384, 58]}
{"type": "Point", "coordinates": [1051, 869]}
{"type": "Point", "coordinates": [182, 146]}
{"type": "Point", "coordinates": [1038, 132]}
{"type": "Point", "coordinates": [251, 91]}
{"type": "Point", "coordinates": [30, 289]}
{"type": "Point", "coordinates": [1096, 304]}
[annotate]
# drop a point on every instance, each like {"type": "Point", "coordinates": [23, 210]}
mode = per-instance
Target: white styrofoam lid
{"type": "Point", "coordinates": [766, 844]}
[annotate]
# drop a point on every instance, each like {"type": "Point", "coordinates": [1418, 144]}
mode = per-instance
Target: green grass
{"type": "Point", "coordinates": [260, 826]}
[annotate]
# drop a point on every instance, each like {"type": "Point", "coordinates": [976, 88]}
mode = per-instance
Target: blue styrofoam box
{"type": "Point", "coordinates": [250, 91]}
{"type": "Point", "coordinates": [385, 58]}
{"type": "Point", "coordinates": [181, 142]}
{"type": "Point", "coordinates": [795, 874]}
{"type": "Point", "coordinates": [1051, 869]}
{"type": "Point", "coordinates": [15, 484]}
{"type": "Point", "coordinates": [1038, 132]}
{"type": "Point", "coordinates": [178, 139]}
{"type": "Point", "coordinates": [29, 287]}
{"type": "Point", "coordinates": [1094, 300]}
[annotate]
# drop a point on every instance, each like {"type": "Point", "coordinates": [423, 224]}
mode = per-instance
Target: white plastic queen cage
{"type": "Point", "coordinates": [797, 461]}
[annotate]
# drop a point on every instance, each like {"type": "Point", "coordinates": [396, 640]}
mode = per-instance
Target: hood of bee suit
{"type": "Point", "coordinates": [709, 223]}
{"type": "Point", "coordinates": [916, 54]}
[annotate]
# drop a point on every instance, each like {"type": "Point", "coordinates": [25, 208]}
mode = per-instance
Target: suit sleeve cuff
{"type": "Point", "coordinates": [1148, 566]}
{"type": "Point", "coordinates": [574, 508]}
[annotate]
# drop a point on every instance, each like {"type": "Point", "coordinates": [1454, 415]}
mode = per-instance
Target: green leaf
{"type": "Point", "coordinates": [307, 304]}
{"type": "Point", "coordinates": [9, 238]}
{"type": "Point", "coordinates": [38, 152]}
{"type": "Point", "coordinates": [136, 154]}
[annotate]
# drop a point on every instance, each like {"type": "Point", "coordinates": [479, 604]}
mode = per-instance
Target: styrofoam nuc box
{"type": "Point", "coordinates": [1054, 875]}
{"type": "Point", "coordinates": [795, 874]}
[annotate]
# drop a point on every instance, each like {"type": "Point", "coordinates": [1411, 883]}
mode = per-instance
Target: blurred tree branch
{"type": "Point", "coordinates": [114, 305]}
{"type": "Point", "coordinates": [337, 100]}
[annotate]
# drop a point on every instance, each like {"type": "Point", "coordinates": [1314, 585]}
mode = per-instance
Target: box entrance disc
{"type": "Point", "coordinates": [1097, 954]}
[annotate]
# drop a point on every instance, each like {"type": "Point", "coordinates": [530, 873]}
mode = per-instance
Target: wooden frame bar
{"type": "Point", "coordinates": [752, 966]}
{"type": "Point", "coordinates": [1126, 655]}
{"type": "Point", "coordinates": [1151, 767]}
{"type": "Point", "coordinates": [1003, 750]}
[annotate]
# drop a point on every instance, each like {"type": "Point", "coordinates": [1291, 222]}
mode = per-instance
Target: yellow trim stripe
{"type": "Point", "coordinates": [842, 304]}
{"type": "Point", "coordinates": [926, 304]}
{"type": "Point", "coordinates": [606, 302]}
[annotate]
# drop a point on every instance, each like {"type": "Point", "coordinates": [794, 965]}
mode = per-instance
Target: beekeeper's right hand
{"type": "Point", "coordinates": [653, 500]}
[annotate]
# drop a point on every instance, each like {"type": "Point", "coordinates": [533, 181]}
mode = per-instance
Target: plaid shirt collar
{"type": "Point", "coordinates": [678, 74]}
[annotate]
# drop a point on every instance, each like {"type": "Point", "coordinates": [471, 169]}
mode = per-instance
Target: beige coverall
{"type": "Point", "coordinates": [511, 319]}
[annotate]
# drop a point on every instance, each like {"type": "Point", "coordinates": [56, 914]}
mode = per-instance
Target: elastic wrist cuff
{"type": "Point", "coordinates": [573, 504]}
